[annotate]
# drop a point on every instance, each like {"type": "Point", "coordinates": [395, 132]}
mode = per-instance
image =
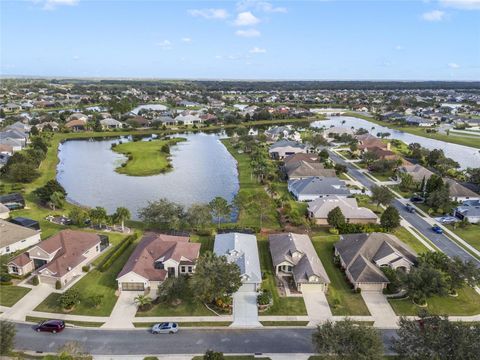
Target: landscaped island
{"type": "Point", "coordinates": [146, 158]}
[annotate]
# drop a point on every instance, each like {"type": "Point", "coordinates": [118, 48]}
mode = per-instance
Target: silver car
{"type": "Point", "coordinates": [165, 328]}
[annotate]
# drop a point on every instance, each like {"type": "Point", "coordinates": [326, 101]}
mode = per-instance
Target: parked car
{"type": "Point", "coordinates": [437, 229]}
{"type": "Point", "coordinates": [53, 326]}
{"type": "Point", "coordinates": [417, 199]}
{"type": "Point", "coordinates": [410, 208]}
{"type": "Point", "coordinates": [165, 328]}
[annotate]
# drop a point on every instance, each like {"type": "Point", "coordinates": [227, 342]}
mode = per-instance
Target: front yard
{"type": "Point", "coordinates": [470, 233]}
{"type": "Point", "coordinates": [93, 283]}
{"type": "Point", "coordinates": [281, 305]}
{"type": "Point", "coordinates": [341, 298]}
{"type": "Point", "coordinates": [10, 294]}
{"type": "Point", "coordinates": [467, 303]}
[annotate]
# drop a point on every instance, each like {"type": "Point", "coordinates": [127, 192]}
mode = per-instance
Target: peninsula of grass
{"type": "Point", "coordinates": [10, 294]}
{"type": "Point", "coordinates": [146, 158]}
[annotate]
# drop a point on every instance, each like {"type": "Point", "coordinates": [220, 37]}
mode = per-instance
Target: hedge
{"type": "Point", "coordinates": [116, 252]}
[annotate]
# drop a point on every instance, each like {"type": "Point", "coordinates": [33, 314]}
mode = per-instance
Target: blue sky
{"type": "Point", "coordinates": [335, 40]}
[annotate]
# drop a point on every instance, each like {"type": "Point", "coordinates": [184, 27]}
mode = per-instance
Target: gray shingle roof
{"type": "Point", "coordinates": [319, 186]}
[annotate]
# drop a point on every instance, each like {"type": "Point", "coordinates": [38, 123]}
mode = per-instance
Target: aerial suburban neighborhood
{"type": "Point", "coordinates": [214, 216]}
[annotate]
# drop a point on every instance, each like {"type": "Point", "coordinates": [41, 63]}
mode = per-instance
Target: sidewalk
{"type": "Point", "coordinates": [29, 302]}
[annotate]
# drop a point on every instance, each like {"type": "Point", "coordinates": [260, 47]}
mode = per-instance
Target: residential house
{"type": "Point", "coordinates": [367, 142]}
{"type": "Point", "coordinates": [188, 119]}
{"type": "Point", "coordinates": [334, 131]}
{"type": "Point", "coordinates": [277, 132]}
{"type": "Point", "coordinates": [303, 169]}
{"type": "Point", "coordinates": [311, 188]}
{"type": "Point", "coordinates": [469, 210]}
{"type": "Point", "coordinates": [164, 120]}
{"type": "Point", "coordinates": [418, 172]}
{"type": "Point", "coordinates": [419, 121]}
{"type": "Point", "coordinates": [58, 258]}
{"type": "Point", "coordinates": [291, 159]}
{"type": "Point", "coordinates": [78, 116]}
{"type": "Point", "coordinates": [156, 258]}
{"type": "Point", "coordinates": [284, 148]}
{"type": "Point", "coordinates": [9, 142]}
{"type": "Point", "coordinates": [320, 208]}
{"type": "Point", "coordinates": [14, 237]}
{"type": "Point", "coordinates": [110, 123]}
{"type": "Point", "coordinates": [363, 255]}
{"type": "Point", "coordinates": [76, 125]}
{"type": "Point", "coordinates": [242, 250]}
{"type": "Point", "coordinates": [293, 255]}
{"type": "Point", "coordinates": [459, 192]}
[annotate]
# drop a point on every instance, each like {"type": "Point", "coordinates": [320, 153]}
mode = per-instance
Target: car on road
{"type": "Point", "coordinates": [437, 229]}
{"type": "Point", "coordinates": [165, 328]}
{"type": "Point", "coordinates": [417, 199]}
{"type": "Point", "coordinates": [410, 208]}
{"type": "Point", "coordinates": [53, 326]}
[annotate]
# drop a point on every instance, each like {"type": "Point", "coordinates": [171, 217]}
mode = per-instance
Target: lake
{"type": "Point", "coordinates": [202, 169]}
{"type": "Point", "coordinates": [466, 156]}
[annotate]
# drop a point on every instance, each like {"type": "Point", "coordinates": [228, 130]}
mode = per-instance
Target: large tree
{"type": "Point", "coordinates": [162, 214]}
{"type": "Point", "coordinates": [335, 218]}
{"type": "Point", "coordinates": [45, 192]}
{"type": "Point", "coordinates": [199, 216]}
{"type": "Point", "coordinates": [346, 340]}
{"type": "Point", "coordinates": [7, 337]}
{"type": "Point", "coordinates": [220, 208]}
{"type": "Point", "coordinates": [390, 218]}
{"type": "Point", "coordinates": [434, 337]}
{"type": "Point", "coordinates": [381, 195]}
{"type": "Point", "coordinates": [122, 214]}
{"type": "Point", "coordinates": [215, 277]}
{"type": "Point", "coordinates": [98, 215]}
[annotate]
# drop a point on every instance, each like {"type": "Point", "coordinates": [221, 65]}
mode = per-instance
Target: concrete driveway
{"type": "Point", "coordinates": [316, 303]}
{"type": "Point", "coordinates": [28, 303]}
{"type": "Point", "coordinates": [124, 311]}
{"type": "Point", "coordinates": [380, 309]}
{"type": "Point", "coordinates": [245, 310]}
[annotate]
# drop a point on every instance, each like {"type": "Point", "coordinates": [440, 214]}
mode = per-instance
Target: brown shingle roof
{"type": "Point", "coordinates": [154, 246]}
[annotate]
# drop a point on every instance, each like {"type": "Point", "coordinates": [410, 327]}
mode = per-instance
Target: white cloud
{"type": "Point", "coordinates": [246, 18]}
{"type": "Point", "coordinates": [248, 33]}
{"type": "Point", "coordinates": [434, 15]}
{"type": "Point", "coordinates": [264, 6]}
{"type": "Point", "coordinates": [462, 4]}
{"type": "Point", "coordinates": [453, 66]}
{"type": "Point", "coordinates": [399, 47]}
{"type": "Point", "coordinates": [186, 40]}
{"type": "Point", "coordinates": [53, 4]}
{"type": "Point", "coordinates": [257, 50]}
{"type": "Point", "coordinates": [165, 44]}
{"type": "Point", "coordinates": [219, 14]}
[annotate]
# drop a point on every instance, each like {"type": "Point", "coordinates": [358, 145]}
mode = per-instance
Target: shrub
{"type": "Point", "coordinates": [35, 280]}
{"type": "Point", "coordinates": [86, 268]}
{"type": "Point", "coordinates": [358, 290]}
{"type": "Point", "coordinates": [58, 285]}
{"type": "Point", "coordinates": [264, 297]}
{"type": "Point", "coordinates": [5, 279]}
{"type": "Point", "coordinates": [116, 252]}
{"type": "Point", "coordinates": [333, 231]}
{"type": "Point", "coordinates": [69, 298]}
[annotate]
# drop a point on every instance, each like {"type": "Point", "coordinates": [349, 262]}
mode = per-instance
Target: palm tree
{"type": "Point", "coordinates": [122, 214]}
{"type": "Point", "coordinates": [143, 300]}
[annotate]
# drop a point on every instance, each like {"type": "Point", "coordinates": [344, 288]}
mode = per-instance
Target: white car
{"type": "Point", "coordinates": [165, 328]}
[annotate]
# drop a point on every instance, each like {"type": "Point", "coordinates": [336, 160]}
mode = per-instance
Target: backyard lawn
{"type": "Point", "coordinates": [405, 236]}
{"type": "Point", "coordinates": [470, 233]}
{"type": "Point", "coordinates": [341, 298]}
{"type": "Point", "coordinates": [10, 294]}
{"type": "Point", "coordinates": [467, 303]}
{"type": "Point", "coordinates": [145, 158]}
{"type": "Point", "coordinates": [94, 283]}
{"type": "Point", "coordinates": [281, 305]}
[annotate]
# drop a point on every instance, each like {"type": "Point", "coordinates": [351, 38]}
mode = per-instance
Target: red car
{"type": "Point", "coordinates": [53, 326]}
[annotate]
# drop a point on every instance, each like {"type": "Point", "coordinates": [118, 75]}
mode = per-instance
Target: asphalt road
{"type": "Point", "coordinates": [186, 341]}
{"type": "Point", "coordinates": [448, 246]}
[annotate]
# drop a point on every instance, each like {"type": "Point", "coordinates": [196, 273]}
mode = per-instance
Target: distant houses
{"type": "Point", "coordinates": [15, 237]}
{"type": "Point", "coordinates": [311, 188]}
{"type": "Point", "coordinates": [284, 148]}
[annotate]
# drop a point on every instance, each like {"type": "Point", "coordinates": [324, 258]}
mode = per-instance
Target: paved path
{"type": "Point", "coordinates": [29, 302]}
{"type": "Point", "coordinates": [380, 308]}
{"type": "Point", "coordinates": [441, 241]}
{"type": "Point", "coordinates": [245, 311]}
{"type": "Point", "coordinates": [124, 311]}
{"type": "Point", "coordinates": [317, 306]}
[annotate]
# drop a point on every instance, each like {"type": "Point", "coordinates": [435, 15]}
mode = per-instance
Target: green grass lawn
{"type": "Point", "coordinates": [404, 194]}
{"type": "Point", "coordinates": [467, 303]}
{"type": "Point", "coordinates": [145, 158]}
{"type": "Point", "coordinates": [470, 233]}
{"type": "Point", "coordinates": [405, 236]}
{"type": "Point", "coordinates": [250, 186]}
{"type": "Point", "coordinates": [341, 298]}
{"type": "Point", "coordinates": [94, 283]}
{"type": "Point", "coordinates": [366, 202]}
{"type": "Point", "coordinates": [205, 241]}
{"type": "Point", "coordinates": [281, 305]}
{"type": "Point", "coordinates": [382, 176]}
{"type": "Point", "coordinates": [10, 294]}
{"type": "Point", "coordinates": [191, 307]}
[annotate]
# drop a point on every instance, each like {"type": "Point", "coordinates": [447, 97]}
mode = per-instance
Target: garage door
{"type": "Point", "coordinates": [312, 288]}
{"type": "Point", "coordinates": [133, 286]}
